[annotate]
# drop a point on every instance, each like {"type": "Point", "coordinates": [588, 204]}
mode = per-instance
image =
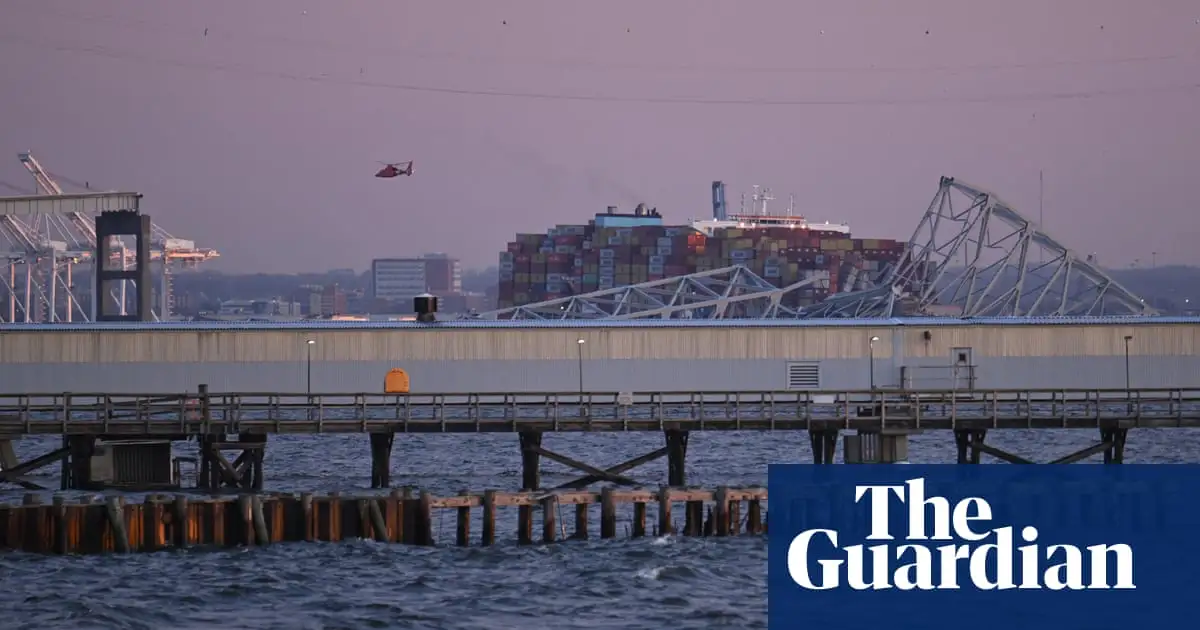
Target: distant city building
{"type": "Point", "coordinates": [332, 300]}
{"type": "Point", "coordinates": [273, 306]}
{"type": "Point", "coordinates": [400, 279]}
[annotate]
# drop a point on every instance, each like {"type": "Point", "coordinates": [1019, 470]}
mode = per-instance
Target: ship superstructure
{"type": "Point", "coordinates": [757, 216]}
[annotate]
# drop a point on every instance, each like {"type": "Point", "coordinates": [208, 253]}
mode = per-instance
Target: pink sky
{"type": "Point", "coordinates": [261, 138]}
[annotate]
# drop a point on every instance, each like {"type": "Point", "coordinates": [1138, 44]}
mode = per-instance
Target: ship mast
{"type": "Point", "coordinates": [760, 197]}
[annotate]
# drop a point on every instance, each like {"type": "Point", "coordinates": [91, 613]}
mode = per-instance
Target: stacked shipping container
{"type": "Point", "coordinates": [573, 259]}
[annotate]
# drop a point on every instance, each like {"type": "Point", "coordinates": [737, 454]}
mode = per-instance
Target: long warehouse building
{"type": "Point", "coordinates": [646, 356]}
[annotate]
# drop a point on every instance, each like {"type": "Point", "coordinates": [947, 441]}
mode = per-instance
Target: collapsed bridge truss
{"type": "Point", "coordinates": [729, 292]}
{"type": "Point", "coordinates": [972, 255]}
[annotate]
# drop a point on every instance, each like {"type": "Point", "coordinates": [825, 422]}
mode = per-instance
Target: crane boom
{"type": "Point", "coordinates": [51, 187]}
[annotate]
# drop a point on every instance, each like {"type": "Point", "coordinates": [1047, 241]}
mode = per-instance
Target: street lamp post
{"type": "Point", "coordinates": [871, 356]}
{"type": "Point", "coordinates": [308, 367]}
{"type": "Point", "coordinates": [1128, 388]}
{"type": "Point", "coordinates": [579, 346]}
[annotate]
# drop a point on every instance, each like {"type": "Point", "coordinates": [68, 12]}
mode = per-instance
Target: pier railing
{"type": "Point", "coordinates": [206, 412]}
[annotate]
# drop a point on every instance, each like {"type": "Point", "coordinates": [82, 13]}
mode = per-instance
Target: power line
{"type": "Point", "coordinates": [375, 51]}
{"type": "Point", "coordinates": [122, 55]}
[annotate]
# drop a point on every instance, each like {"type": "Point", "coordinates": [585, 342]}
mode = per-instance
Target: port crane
{"type": "Point", "coordinates": [49, 245]}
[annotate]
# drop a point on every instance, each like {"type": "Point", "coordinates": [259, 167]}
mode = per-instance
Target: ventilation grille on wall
{"type": "Point", "coordinates": [804, 376]}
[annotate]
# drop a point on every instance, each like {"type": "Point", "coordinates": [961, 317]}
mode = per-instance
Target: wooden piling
{"type": "Point", "coordinates": [754, 517]}
{"type": "Point", "coordinates": [425, 518]}
{"type": "Point", "coordinates": [306, 507]}
{"type": "Point", "coordinates": [116, 521]}
{"type": "Point", "coordinates": [408, 512]}
{"type": "Point", "coordinates": [395, 515]}
{"type": "Point", "coordinates": [261, 537]}
{"type": "Point", "coordinates": [665, 528]}
{"type": "Point", "coordinates": [489, 518]}
{"type": "Point", "coordinates": [525, 523]}
{"type": "Point", "coordinates": [639, 519]}
{"type": "Point", "coordinates": [581, 521]}
{"type": "Point", "coordinates": [378, 522]}
{"type": "Point", "coordinates": [60, 525]}
{"type": "Point", "coordinates": [721, 511]}
{"type": "Point", "coordinates": [181, 522]}
{"type": "Point", "coordinates": [608, 513]}
{"type": "Point", "coordinates": [462, 535]}
{"type": "Point", "coordinates": [549, 509]}
{"type": "Point", "coordinates": [109, 525]}
{"type": "Point", "coordinates": [245, 526]}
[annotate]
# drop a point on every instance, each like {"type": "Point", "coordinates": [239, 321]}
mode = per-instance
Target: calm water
{"type": "Point", "coordinates": [651, 583]}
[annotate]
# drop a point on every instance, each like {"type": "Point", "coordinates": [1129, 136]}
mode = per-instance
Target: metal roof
{"type": "Point", "coordinates": [593, 324]}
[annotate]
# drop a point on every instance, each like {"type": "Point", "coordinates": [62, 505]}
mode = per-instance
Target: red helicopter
{"type": "Point", "coordinates": [395, 170]}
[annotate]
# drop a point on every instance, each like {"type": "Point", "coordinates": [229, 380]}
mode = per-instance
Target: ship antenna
{"type": "Point", "coordinates": [765, 197]}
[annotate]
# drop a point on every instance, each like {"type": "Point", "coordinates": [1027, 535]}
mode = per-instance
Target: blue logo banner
{"type": "Point", "coordinates": [983, 547]}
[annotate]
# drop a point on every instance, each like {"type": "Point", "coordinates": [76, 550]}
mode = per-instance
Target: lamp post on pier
{"type": "Point", "coordinates": [871, 357]}
{"type": "Point", "coordinates": [579, 346]}
{"type": "Point", "coordinates": [1128, 388]}
{"type": "Point", "coordinates": [308, 345]}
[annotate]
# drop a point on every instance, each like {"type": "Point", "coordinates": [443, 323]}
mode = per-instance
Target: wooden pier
{"type": "Point", "coordinates": [135, 431]}
{"type": "Point", "coordinates": [113, 526]}
{"type": "Point", "coordinates": [203, 412]}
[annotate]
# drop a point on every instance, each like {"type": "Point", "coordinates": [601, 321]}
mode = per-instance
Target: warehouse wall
{"type": "Point", "coordinates": [598, 375]}
{"type": "Point", "coordinates": [515, 358]}
{"type": "Point", "coordinates": [529, 343]}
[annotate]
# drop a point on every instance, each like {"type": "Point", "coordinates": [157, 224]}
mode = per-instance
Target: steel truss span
{"type": "Point", "coordinates": [729, 292]}
{"type": "Point", "coordinates": [973, 255]}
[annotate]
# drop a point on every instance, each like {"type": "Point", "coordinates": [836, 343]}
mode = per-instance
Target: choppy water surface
{"type": "Point", "coordinates": [651, 583]}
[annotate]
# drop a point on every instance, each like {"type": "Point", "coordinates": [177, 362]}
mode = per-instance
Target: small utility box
{"type": "Point", "coordinates": [132, 464]}
{"type": "Point", "coordinates": [875, 447]}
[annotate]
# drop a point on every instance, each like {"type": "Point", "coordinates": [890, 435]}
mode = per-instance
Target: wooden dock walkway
{"type": "Point", "coordinates": [130, 435]}
{"type": "Point", "coordinates": [209, 413]}
{"type": "Point", "coordinates": [160, 522]}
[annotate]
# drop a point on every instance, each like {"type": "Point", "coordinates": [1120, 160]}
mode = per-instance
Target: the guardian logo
{"type": "Point", "coordinates": [984, 556]}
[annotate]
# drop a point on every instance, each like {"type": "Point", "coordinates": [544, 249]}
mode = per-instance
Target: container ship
{"type": "Point", "coordinates": [619, 249]}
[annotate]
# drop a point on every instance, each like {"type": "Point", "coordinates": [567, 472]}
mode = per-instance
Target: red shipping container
{"type": "Point", "coordinates": [555, 259]}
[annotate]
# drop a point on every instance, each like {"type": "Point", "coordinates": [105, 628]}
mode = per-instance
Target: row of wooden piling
{"type": "Point", "coordinates": [112, 525]}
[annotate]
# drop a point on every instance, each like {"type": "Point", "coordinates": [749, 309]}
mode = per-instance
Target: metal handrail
{"type": "Point", "coordinates": [157, 414]}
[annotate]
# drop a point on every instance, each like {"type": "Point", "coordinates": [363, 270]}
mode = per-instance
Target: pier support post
{"type": "Point", "coordinates": [969, 442]}
{"type": "Point", "coordinates": [677, 441]}
{"type": "Point", "coordinates": [245, 472]}
{"type": "Point", "coordinates": [8, 455]}
{"type": "Point", "coordinates": [78, 466]}
{"type": "Point", "coordinates": [1115, 439]}
{"type": "Point", "coordinates": [824, 444]}
{"type": "Point", "coordinates": [531, 478]}
{"type": "Point", "coordinates": [693, 511]}
{"type": "Point", "coordinates": [252, 477]}
{"type": "Point", "coordinates": [381, 459]}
